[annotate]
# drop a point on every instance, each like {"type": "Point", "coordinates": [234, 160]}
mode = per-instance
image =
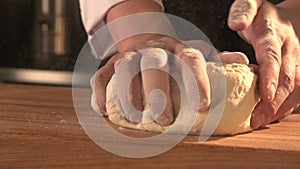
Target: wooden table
{"type": "Point", "coordinates": [39, 129]}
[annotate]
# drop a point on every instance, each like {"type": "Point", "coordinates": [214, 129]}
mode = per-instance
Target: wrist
{"type": "Point", "coordinates": [132, 7]}
{"type": "Point", "coordinates": [135, 22]}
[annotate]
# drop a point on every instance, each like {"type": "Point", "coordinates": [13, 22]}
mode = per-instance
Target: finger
{"type": "Point", "coordinates": [262, 117]}
{"type": "Point", "coordinates": [242, 13]}
{"type": "Point", "coordinates": [293, 100]}
{"type": "Point", "coordinates": [266, 41]}
{"type": "Point", "coordinates": [268, 53]}
{"type": "Point", "coordinates": [233, 57]}
{"type": "Point", "coordinates": [154, 65]}
{"type": "Point", "coordinates": [197, 66]}
{"type": "Point", "coordinates": [100, 82]}
{"type": "Point", "coordinates": [128, 86]}
{"type": "Point", "coordinates": [286, 80]}
{"type": "Point", "coordinates": [257, 118]}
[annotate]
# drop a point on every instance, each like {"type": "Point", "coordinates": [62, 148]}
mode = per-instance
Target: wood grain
{"type": "Point", "coordinates": [39, 129]}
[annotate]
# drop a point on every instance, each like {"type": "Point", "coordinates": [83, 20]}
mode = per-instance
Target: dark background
{"type": "Point", "coordinates": [18, 36]}
{"type": "Point", "coordinates": [18, 48]}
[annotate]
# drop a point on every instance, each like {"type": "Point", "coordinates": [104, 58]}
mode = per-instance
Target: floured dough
{"type": "Point", "coordinates": [240, 100]}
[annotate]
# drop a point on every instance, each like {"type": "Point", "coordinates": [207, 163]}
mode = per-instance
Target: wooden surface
{"type": "Point", "coordinates": [39, 129]}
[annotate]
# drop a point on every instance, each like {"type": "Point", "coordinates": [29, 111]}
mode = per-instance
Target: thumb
{"type": "Point", "coordinates": [242, 13]}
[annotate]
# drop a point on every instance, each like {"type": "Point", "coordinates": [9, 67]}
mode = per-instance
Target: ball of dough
{"type": "Point", "coordinates": [240, 100]}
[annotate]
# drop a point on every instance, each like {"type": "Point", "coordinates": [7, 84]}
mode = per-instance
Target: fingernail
{"type": "Point", "coordinates": [238, 18]}
{"type": "Point", "coordinates": [257, 120]}
{"type": "Point", "coordinates": [237, 22]}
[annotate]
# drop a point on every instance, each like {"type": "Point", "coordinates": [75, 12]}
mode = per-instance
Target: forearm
{"type": "Point", "coordinates": [133, 7]}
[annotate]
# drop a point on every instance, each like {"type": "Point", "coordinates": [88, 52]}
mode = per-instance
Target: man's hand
{"type": "Point", "coordinates": [140, 57]}
{"type": "Point", "coordinates": [276, 45]}
{"type": "Point", "coordinates": [136, 53]}
{"type": "Point", "coordinates": [156, 52]}
{"type": "Point", "coordinates": [143, 50]}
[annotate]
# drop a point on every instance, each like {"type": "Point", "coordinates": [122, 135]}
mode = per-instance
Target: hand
{"type": "Point", "coordinates": [154, 51]}
{"type": "Point", "coordinates": [137, 52]}
{"type": "Point", "coordinates": [155, 79]}
{"type": "Point", "coordinates": [276, 45]}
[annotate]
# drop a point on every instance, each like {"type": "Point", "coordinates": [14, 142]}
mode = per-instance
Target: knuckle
{"type": "Point", "coordinates": [204, 104]}
{"type": "Point", "coordinates": [288, 82]}
{"type": "Point", "coordinates": [100, 74]}
{"type": "Point", "coordinates": [101, 77]}
{"type": "Point", "coordinates": [267, 30]}
{"type": "Point", "coordinates": [272, 54]}
{"type": "Point", "coordinates": [189, 54]}
{"type": "Point", "coordinates": [272, 109]}
{"type": "Point", "coordinates": [126, 56]}
{"type": "Point", "coordinates": [116, 64]}
{"type": "Point", "coordinates": [154, 57]}
{"type": "Point", "coordinates": [268, 27]}
{"type": "Point", "coordinates": [130, 59]}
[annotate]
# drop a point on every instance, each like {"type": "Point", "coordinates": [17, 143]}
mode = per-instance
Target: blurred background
{"type": "Point", "coordinates": [41, 39]}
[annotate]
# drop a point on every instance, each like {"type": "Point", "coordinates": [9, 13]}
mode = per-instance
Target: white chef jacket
{"type": "Point", "coordinates": [93, 13]}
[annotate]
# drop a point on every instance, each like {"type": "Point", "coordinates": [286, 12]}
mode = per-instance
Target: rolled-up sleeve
{"type": "Point", "coordinates": [93, 12]}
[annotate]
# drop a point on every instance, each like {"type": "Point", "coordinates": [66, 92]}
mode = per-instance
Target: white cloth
{"type": "Point", "coordinates": [93, 12]}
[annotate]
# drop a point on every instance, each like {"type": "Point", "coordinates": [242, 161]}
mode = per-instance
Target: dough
{"type": "Point", "coordinates": [240, 100]}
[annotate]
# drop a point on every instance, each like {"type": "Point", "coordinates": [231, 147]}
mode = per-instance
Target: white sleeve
{"type": "Point", "coordinates": [93, 12]}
